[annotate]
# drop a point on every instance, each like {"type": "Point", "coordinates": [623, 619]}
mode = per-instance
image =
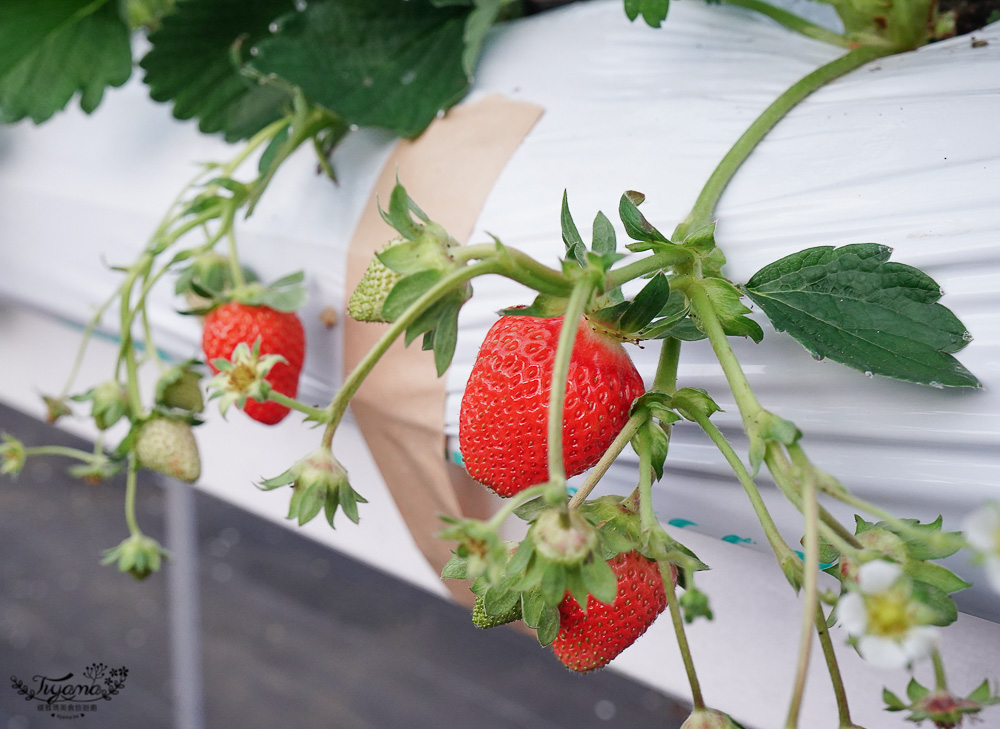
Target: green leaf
{"type": "Point", "coordinates": [553, 585]}
{"type": "Point", "coordinates": [49, 51]}
{"type": "Point", "coordinates": [730, 310]}
{"type": "Point", "coordinates": [500, 599]}
{"type": "Point", "coordinates": [851, 305]}
{"type": "Point", "coordinates": [943, 607]}
{"type": "Point", "coordinates": [654, 12]}
{"type": "Point", "coordinates": [532, 608]}
{"type": "Point", "coordinates": [914, 691]}
{"type": "Point", "coordinates": [455, 568]}
{"type": "Point", "coordinates": [192, 65]}
{"type": "Point", "coordinates": [635, 222]}
{"type": "Point", "coordinates": [477, 25]}
{"type": "Point", "coordinates": [892, 702]}
{"type": "Point", "coordinates": [393, 64]}
{"type": "Point", "coordinates": [446, 336]}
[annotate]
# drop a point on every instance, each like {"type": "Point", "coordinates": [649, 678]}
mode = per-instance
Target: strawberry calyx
{"type": "Point", "coordinates": [709, 719]}
{"type": "Point", "coordinates": [138, 555]}
{"type": "Point", "coordinates": [179, 387]}
{"type": "Point", "coordinates": [319, 482]}
{"type": "Point", "coordinates": [109, 403]}
{"type": "Point", "coordinates": [242, 376]}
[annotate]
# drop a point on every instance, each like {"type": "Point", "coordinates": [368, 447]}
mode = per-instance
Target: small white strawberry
{"type": "Point", "coordinates": [167, 446]}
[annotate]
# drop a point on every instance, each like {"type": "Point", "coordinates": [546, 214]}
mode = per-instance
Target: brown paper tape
{"type": "Point", "coordinates": [449, 171]}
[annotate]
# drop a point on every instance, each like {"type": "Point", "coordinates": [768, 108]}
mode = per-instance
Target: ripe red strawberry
{"type": "Point", "coordinates": [280, 332]}
{"type": "Point", "coordinates": [591, 640]}
{"type": "Point", "coordinates": [504, 415]}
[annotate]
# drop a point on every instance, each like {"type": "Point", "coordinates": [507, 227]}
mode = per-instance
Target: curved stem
{"type": "Point", "coordinates": [338, 406]}
{"type": "Point", "coordinates": [85, 456]}
{"type": "Point", "coordinates": [677, 619]}
{"type": "Point", "coordinates": [833, 668]}
{"type": "Point", "coordinates": [560, 374]}
{"type": "Point", "coordinates": [665, 379]}
{"type": "Point", "coordinates": [663, 259]}
{"type": "Point", "coordinates": [88, 332]}
{"type": "Point", "coordinates": [704, 207]}
{"type": "Point", "coordinates": [235, 269]}
{"type": "Point", "coordinates": [130, 488]}
{"type": "Point", "coordinates": [793, 22]}
{"type": "Point", "coordinates": [940, 677]}
{"type": "Point", "coordinates": [809, 600]}
{"type": "Point", "coordinates": [318, 414]}
{"type": "Point", "coordinates": [610, 456]}
{"type": "Point", "coordinates": [518, 266]}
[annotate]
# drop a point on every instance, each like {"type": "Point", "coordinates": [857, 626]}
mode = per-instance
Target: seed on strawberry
{"type": "Point", "coordinates": [168, 446]}
{"type": "Point", "coordinates": [504, 414]}
{"type": "Point", "coordinates": [279, 332]}
{"type": "Point", "coordinates": [591, 639]}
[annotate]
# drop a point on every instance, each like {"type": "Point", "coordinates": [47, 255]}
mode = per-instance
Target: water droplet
{"type": "Point", "coordinates": [300, 5]}
{"type": "Point", "coordinates": [936, 385]}
{"type": "Point", "coordinates": [967, 336]}
{"type": "Point", "coordinates": [354, 127]}
{"type": "Point", "coordinates": [817, 356]}
{"type": "Point", "coordinates": [408, 78]}
{"type": "Point", "coordinates": [273, 27]}
{"type": "Point", "coordinates": [868, 373]}
{"type": "Point", "coordinates": [367, 81]}
{"type": "Point", "coordinates": [254, 51]}
{"type": "Point", "coordinates": [440, 114]}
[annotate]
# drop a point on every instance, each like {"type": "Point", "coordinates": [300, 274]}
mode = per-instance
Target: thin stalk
{"type": "Point", "coordinates": [809, 600]}
{"type": "Point", "coordinates": [85, 456]}
{"type": "Point", "coordinates": [513, 503]}
{"type": "Point", "coordinates": [235, 269]}
{"type": "Point", "coordinates": [833, 668]}
{"type": "Point", "coordinates": [708, 199]}
{"type": "Point", "coordinates": [127, 352]}
{"type": "Point", "coordinates": [318, 414]}
{"type": "Point", "coordinates": [665, 379]}
{"type": "Point", "coordinates": [793, 22]}
{"type": "Point", "coordinates": [940, 677]}
{"type": "Point", "coordinates": [677, 619]}
{"type": "Point", "coordinates": [88, 332]}
{"type": "Point", "coordinates": [781, 549]}
{"type": "Point", "coordinates": [647, 515]}
{"type": "Point", "coordinates": [130, 488]}
{"type": "Point", "coordinates": [338, 406]}
{"type": "Point", "coordinates": [610, 456]}
{"type": "Point", "coordinates": [560, 374]}
{"type": "Point", "coordinates": [901, 527]}
{"type": "Point", "coordinates": [663, 259]}
{"type": "Point", "coordinates": [519, 267]}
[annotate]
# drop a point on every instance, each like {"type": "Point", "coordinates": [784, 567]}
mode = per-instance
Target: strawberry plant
{"type": "Point", "coordinates": [553, 393]}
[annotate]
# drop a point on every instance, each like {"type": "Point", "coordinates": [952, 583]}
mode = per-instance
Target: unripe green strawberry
{"type": "Point", "coordinates": [591, 639]}
{"type": "Point", "coordinates": [180, 388]}
{"type": "Point", "coordinates": [168, 446]}
{"type": "Point", "coordinates": [369, 296]}
{"type": "Point", "coordinates": [503, 422]}
{"type": "Point", "coordinates": [709, 719]}
{"type": "Point", "coordinates": [481, 619]}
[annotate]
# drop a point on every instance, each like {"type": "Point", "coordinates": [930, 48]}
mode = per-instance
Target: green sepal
{"type": "Point", "coordinates": [670, 316]}
{"type": "Point", "coordinates": [575, 248]}
{"type": "Point", "coordinates": [576, 587]}
{"type": "Point", "coordinates": [892, 702]}
{"type": "Point", "coordinates": [501, 598]}
{"type": "Point", "coordinates": [138, 555]}
{"type": "Point", "coordinates": [521, 558]}
{"type": "Point", "coordinates": [695, 605]}
{"type": "Point", "coordinates": [725, 298]}
{"type": "Point", "coordinates": [544, 306]}
{"type": "Point", "coordinates": [934, 574]}
{"type": "Point", "coordinates": [915, 691]}
{"type": "Point", "coordinates": [604, 240]}
{"type": "Point", "coordinates": [287, 294]}
{"type": "Point", "coordinates": [553, 584]}
{"type": "Point", "coordinates": [654, 12]}
{"type": "Point", "coordinates": [658, 442]}
{"type": "Point", "coordinates": [646, 306]}
{"type": "Point", "coordinates": [694, 400]}
{"type": "Point", "coordinates": [636, 224]}
{"type": "Point", "coordinates": [941, 606]}
{"type": "Point", "coordinates": [482, 618]}
{"type": "Point", "coordinates": [407, 290]}
{"type": "Point", "coordinates": [455, 568]}
{"type": "Point", "coordinates": [599, 580]}
{"type": "Point", "coordinates": [548, 626]}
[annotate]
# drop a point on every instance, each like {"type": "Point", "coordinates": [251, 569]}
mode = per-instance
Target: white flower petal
{"type": "Point", "coordinates": [852, 613]}
{"type": "Point", "coordinates": [920, 641]}
{"type": "Point", "coordinates": [982, 528]}
{"type": "Point", "coordinates": [992, 566]}
{"type": "Point", "coordinates": [878, 576]}
{"type": "Point", "coordinates": [882, 652]}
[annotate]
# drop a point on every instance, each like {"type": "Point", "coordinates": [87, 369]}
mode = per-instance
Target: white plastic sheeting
{"type": "Point", "coordinates": [903, 152]}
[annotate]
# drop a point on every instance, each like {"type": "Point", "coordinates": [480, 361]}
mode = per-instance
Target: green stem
{"type": "Point", "coordinates": [833, 668]}
{"type": "Point", "coordinates": [560, 374]}
{"type": "Point", "coordinates": [317, 414]}
{"type": "Point", "coordinates": [793, 22]}
{"type": "Point", "coordinates": [127, 351]}
{"type": "Point", "coordinates": [130, 488]}
{"type": "Point", "coordinates": [88, 332]}
{"type": "Point", "coordinates": [514, 503]}
{"type": "Point", "coordinates": [809, 599]}
{"type": "Point", "coordinates": [704, 208]}
{"type": "Point", "coordinates": [940, 677]}
{"type": "Point", "coordinates": [647, 515]}
{"type": "Point", "coordinates": [79, 455]}
{"type": "Point", "coordinates": [781, 549]}
{"type": "Point", "coordinates": [235, 269]}
{"type": "Point", "coordinates": [677, 619]}
{"type": "Point", "coordinates": [518, 266]}
{"type": "Point", "coordinates": [901, 527]}
{"type": "Point", "coordinates": [665, 379]}
{"type": "Point", "coordinates": [610, 456]}
{"type": "Point", "coordinates": [338, 406]}
{"type": "Point", "coordinates": [663, 259]}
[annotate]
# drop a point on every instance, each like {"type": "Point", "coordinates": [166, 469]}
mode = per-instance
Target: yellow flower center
{"type": "Point", "coordinates": [888, 614]}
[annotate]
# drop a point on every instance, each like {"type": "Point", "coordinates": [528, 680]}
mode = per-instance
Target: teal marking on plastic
{"type": "Point", "coordinates": [456, 457]}
{"type": "Point", "coordinates": [571, 490]}
{"type": "Point", "coordinates": [734, 539]}
{"type": "Point", "coordinates": [822, 565]}
{"type": "Point", "coordinates": [682, 523]}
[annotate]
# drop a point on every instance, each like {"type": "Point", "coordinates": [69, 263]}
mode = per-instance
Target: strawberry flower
{"type": "Point", "coordinates": [982, 531]}
{"type": "Point", "coordinates": [890, 628]}
{"type": "Point", "coordinates": [242, 376]}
